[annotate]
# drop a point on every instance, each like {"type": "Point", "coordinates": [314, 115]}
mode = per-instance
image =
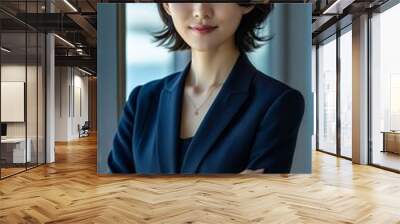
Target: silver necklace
{"type": "Point", "coordinates": [197, 108]}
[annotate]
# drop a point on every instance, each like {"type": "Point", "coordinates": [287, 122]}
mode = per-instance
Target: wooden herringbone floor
{"type": "Point", "coordinates": [70, 191]}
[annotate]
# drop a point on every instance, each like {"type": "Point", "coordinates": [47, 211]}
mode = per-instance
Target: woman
{"type": "Point", "coordinates": [220, 114]}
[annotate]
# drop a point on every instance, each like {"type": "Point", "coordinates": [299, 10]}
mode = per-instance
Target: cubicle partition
{"type": "Point", "coordinates": [22, 77]}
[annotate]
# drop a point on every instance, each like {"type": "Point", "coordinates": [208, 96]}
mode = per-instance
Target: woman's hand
{"type": "Point", "coordinates": [247, 171]}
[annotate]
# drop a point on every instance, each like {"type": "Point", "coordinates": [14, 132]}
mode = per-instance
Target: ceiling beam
{"type": "Point", "coordinates": [84, 24]}
{"type": "Point", "coordinates": [83, 61]}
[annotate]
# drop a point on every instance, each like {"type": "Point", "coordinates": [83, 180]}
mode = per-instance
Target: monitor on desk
{"type": "Point", "coordinates": [3, 130]}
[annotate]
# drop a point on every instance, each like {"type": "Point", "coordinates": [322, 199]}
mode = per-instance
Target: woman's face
{"type": "Point", "coordinates": [205, 26]}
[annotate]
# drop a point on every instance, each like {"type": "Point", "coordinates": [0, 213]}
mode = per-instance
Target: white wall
{"type": "Point", "coordinates": [16, 72]}
{"type": "Point", "coordinates": [70, 83]}
{"type": "Point", "coordinates": [61, 103]}
{"type": "Point", "coordinates": [13, 100]}
{"type": "Point", "coordinates": [79, 117]}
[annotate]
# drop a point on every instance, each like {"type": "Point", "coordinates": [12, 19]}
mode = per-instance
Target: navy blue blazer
{"type": "Point", "coordinates": [252, 124]}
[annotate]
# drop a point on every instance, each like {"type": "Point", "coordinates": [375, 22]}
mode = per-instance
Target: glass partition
{"type": "Point", "coordinates": [14, 154]}
{"type": "Point", "coordinates": [23, 91]}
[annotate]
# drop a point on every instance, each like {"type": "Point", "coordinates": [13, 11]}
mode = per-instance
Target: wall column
{"type": "Point", "coordinates": [50, 99]}
{"type": "Point", "coordinates": [360, 90]}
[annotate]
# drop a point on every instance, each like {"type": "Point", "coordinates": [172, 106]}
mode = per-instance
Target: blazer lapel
{"type": "Point", "coordinates": [227, 103]}
{"type": "Point", "coordinates": [229, 100]}
{"type": "Point", "coordinates": [168, 123]}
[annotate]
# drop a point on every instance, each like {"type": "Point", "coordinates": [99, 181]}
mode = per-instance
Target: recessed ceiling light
{"type": "Point", "coordinates": [5, 50]}
{"type": "Point", "coordinates": [338, 6]}
{"type": "Point", "coordinates": [84, 71]}
{"type": "Point", "coordinates": [64, 40]}
{"type": "Point", "coordinates": [70, 5]}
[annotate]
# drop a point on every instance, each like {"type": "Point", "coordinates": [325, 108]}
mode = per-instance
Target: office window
{"type": "Point", "coordinates": [145, 61]}
{"type": "Point", "coordinates": [346, 93]}
{"type": "Point", "coordinates": [385, 88]}
{"type": "Point", "coordinates": [327, 95]}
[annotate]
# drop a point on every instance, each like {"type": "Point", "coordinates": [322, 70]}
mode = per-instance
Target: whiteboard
{"type": "Point", "coordinates": [12, 101]}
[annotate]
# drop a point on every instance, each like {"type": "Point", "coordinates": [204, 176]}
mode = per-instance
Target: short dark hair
{"type": "Point", "coordinates": [246, 37]}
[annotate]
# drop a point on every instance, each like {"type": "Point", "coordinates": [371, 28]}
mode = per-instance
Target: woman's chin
{"type": "Point", "coordinates": [204, 48]}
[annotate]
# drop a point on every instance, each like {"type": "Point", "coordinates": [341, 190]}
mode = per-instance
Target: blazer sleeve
{"type": "Point", "coordinates": [120, 158]}
{"type": "Point", "coordinates": [276, 136]}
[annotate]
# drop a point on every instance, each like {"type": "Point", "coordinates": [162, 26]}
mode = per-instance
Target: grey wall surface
{"type": "Point", "coordinates": [107, 82]}
{"type": "Point", "coordinates": [286, 57]}
{"type": "Point", "coordinates": [290, 54]}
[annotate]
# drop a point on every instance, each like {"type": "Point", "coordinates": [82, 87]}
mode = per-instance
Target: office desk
{"type": "Point", "coordinates": [13, 150]}
{"type": "Point", "coordinates": [391, 141]}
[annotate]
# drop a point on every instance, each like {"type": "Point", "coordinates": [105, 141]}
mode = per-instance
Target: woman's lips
{"type": "Point", "coordinates": [203, 29]}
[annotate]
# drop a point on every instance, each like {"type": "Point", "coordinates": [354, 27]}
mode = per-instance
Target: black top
{"type": "Point", "coordinates": [183, 146]}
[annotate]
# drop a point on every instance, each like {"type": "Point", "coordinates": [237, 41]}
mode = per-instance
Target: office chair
{"type": "Point", "coordinates": [84, 130]}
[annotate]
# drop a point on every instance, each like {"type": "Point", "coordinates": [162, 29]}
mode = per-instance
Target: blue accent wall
{"type": "Point", "coordinates": [107, 115]}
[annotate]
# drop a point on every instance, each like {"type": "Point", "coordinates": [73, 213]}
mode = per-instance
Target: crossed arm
{"type": "Point", "coordinates": [271, 152]}
{"type": "Point", "coordinates": [275, 141]}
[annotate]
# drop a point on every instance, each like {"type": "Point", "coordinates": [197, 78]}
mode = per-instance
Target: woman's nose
{"type": "Point", "coordinates": [202, 11]}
